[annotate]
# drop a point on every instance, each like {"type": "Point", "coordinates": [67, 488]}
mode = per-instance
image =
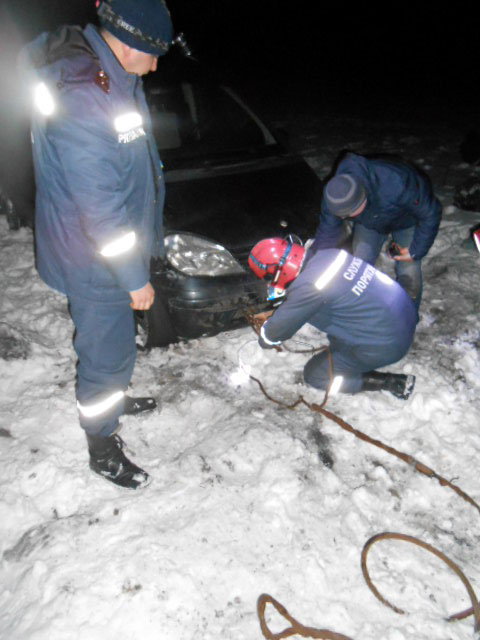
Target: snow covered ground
{"type": "Point", "coordinates": [247, 497]}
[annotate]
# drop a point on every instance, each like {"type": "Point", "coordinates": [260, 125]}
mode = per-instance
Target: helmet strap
{"type": "Point", "coordinates": [281, 262]}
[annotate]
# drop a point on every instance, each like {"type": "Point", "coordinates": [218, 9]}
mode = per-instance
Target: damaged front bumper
{"type": "Point", "coordinates": [205, 305]}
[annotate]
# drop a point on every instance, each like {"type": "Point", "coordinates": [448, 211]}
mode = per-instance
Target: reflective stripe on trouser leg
{"type": "Point", "coordinates": [316, 373]}
{"type": "Point", "coordinates": [99, 406]}
{"type": "Point", "coordinates": [105, 345]}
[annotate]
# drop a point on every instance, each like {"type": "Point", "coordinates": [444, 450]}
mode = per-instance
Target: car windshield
{"type": "Point", "coordinates": [192, 119]}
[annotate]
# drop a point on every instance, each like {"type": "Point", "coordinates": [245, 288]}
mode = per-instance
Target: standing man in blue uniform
{"type": "Point", "coordinates": [99, 203]}
{"type": "Point", "coordinates": [368, 318]}
{"type": "Point", "coordinates": [382, 196]}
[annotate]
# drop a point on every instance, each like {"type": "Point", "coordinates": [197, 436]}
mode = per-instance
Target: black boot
{"type": "Point", "coordinates": [108, 460]}
{"type": "Point", "coordinates": [397, 383]}
{"type": "Point", "coordinates": [138, 405]}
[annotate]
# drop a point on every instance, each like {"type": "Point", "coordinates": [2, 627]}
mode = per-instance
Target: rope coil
{"type": "Point", "coordinates": [474, 609]}
{"type": "Point", "coordinates": [298, 629]}
{"type": "Point", "coordinates": [295, 629]}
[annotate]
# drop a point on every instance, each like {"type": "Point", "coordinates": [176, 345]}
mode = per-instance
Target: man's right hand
{"type": "Point", "coordinates": [142, 299]}
{"type": "Point", "coordinates": [259, 318]}
{"type": "Point", "coordinates": [262, 317]}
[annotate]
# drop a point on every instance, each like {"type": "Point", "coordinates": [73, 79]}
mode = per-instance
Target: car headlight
{"type": "Point", "coordinates": [197, 256]}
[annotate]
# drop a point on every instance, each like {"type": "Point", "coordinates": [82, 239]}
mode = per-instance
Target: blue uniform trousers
{"type": "Point", "coordinates": [104, 342]}
{"type": "Point", "coordinates": [350, 361]}
{"type": "Point", "coordinates": [367, 244]}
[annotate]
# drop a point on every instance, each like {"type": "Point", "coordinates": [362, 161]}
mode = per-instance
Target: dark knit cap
{"type": "Point", "coordinates": [144, 25]}
{"type": "Point", "coordinates": [344, 194]}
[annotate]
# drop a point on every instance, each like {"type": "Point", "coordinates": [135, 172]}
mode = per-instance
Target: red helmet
{"type": "Point", "coordinates": [276, 260]}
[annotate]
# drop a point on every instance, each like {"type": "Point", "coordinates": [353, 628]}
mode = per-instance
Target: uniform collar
{"type": "Point", "coordinates": [108, 61]}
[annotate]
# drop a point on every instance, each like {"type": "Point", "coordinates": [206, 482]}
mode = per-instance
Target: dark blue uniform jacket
{"type": "Point", "coordinates": [349, 300]}
{"type": "Point", "coordinates": [398, 197]}
{"type": "Point", "coordinates": [98, 173]}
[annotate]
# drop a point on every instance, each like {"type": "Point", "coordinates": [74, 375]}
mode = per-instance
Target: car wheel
{"type": "Point", "coordinates": [154, 327]}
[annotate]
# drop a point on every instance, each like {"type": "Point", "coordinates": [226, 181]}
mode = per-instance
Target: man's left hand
{"type": "Point", "coordinates": [142, 299]}
{"type": "Point", "coordinates": [403, 255]}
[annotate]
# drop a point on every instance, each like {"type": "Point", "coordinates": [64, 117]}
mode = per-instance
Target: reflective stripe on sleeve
{"type": "Point", "coordinates": [43, 99]}
{"type": "Point", "coordinates": [264, 337]}
{"type": "Point", "coordinates": [95, 410]}
{"type": "Point", "coordinates": [331, 270]}
{"type": "Point", "coordinates": [119, 245]}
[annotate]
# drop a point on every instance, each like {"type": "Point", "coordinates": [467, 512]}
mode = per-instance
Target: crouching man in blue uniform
{"type": "Point", "coordinates": [382, 196]}
{"type": "Point", "coordinates": [368, 318]}
{"type": "Point", "coordinates": [99, 203]}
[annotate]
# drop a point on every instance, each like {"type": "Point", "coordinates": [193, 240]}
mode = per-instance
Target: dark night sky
{"type": "Point", "coordinates": [384, 61]}
{"type": "Point", "coordinates": [365, 57]}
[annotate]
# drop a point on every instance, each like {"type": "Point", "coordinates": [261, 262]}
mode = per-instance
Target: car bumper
{"type": "Point", "coordinates": [204, 306]}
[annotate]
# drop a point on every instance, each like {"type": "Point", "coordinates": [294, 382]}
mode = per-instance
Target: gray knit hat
{"type": "Point", "coordinates": [344, 194]}
{"type": "Point", "coordinates": [144, 25]}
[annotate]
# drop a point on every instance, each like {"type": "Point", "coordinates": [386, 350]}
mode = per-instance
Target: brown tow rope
{"type": "Point", "coordinates": [474, 609]}
{"type": "Point", "coordinates": [320, 408]}
{"type": "Point", "coordinates": [296, 627]}
{"type": "Point", "coordinates": [416, 464]}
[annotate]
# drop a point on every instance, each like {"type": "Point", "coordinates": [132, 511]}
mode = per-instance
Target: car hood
{"type": "Point", "coordinates": [238, 204]}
